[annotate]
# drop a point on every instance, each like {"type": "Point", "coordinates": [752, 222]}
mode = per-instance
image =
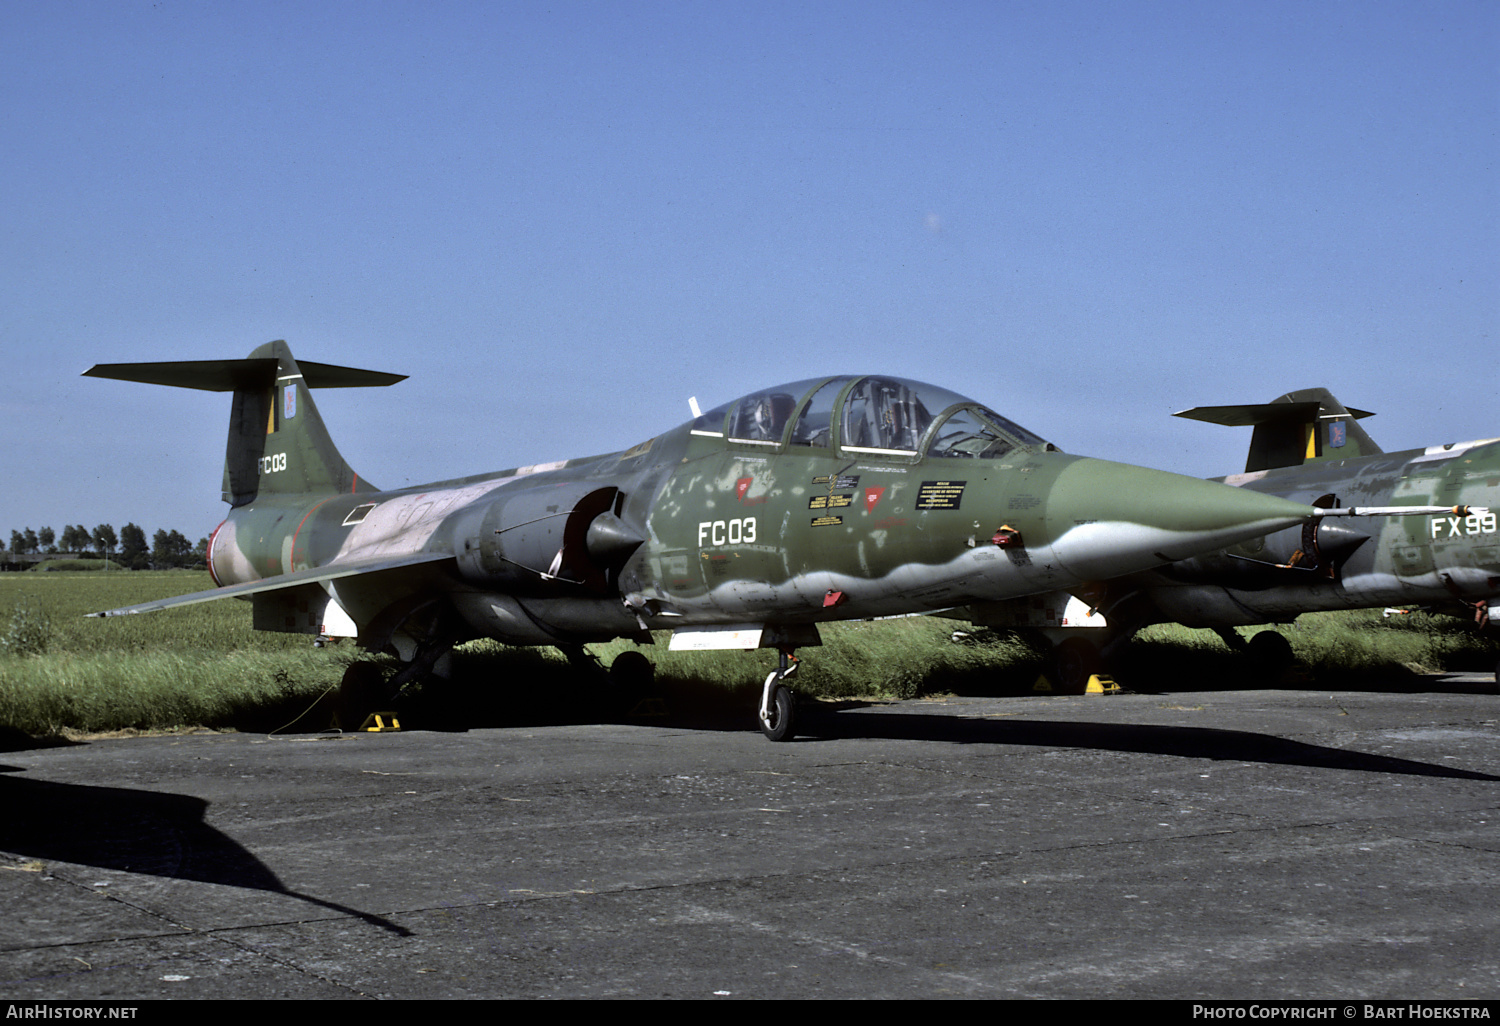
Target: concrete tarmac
{"type": "Point", "coordinates": [1250, 844]}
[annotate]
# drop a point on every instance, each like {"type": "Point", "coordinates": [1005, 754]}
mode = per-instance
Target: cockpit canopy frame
{"type": "Point", "coordinates": [865, 415]}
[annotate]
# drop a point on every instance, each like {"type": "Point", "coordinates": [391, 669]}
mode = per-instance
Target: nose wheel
{"type": "Point", "coordinates": [778, 705]}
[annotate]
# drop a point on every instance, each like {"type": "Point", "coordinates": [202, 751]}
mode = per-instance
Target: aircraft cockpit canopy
{"type": "Point", "coordinates": [889, 416]}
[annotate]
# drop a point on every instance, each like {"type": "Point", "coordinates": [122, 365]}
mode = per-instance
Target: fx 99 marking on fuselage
{"type": "Point", "coordinates": [1460, 527]}
{"type": "Point", "coordinates": [726, 532]}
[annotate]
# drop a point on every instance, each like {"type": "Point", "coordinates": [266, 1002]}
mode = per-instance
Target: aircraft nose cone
{"type": "Point", "coordinates": [1109, 519]}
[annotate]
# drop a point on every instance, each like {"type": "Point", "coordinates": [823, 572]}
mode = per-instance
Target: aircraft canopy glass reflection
{"type": "Point", "coordinates": [890, 416]}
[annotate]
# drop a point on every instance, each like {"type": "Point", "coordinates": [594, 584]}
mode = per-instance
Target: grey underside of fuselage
{"type": "Point", "coordinates": [1213, 606]}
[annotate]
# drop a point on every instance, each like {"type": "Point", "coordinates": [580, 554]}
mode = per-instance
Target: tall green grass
{"type": "Point", "coordinates": [1331, 648]}
{"type": "Point", "coordinates": [101, 692]}
{"type": "Point", "coordinates": [1364, 642]}
{"type": "Point", "coordinates": [202, 665]}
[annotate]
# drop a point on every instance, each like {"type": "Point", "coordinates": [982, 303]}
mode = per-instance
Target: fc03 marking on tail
{"type": "Point", "coordinates": [273, 463]}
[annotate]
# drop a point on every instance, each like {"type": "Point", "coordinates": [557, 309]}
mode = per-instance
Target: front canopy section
{"type": "Point", "coordinates": [875, 415]}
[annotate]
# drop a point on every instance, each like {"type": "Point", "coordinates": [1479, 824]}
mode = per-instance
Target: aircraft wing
{"type": "Point", "coordinates": [315, 575]}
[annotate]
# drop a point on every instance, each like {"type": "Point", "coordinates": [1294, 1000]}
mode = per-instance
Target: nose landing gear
{"type": "Point", "coordinates": [778, 705]}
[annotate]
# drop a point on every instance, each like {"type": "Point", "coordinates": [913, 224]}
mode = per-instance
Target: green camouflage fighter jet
{"type": "Point", "coordinates": [1309, 448]}
{"type": "Point", "coordinates": [833, 498]}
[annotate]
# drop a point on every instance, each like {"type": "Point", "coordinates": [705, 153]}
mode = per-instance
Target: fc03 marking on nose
{"type": "Point", "coordinates": [726, 532]}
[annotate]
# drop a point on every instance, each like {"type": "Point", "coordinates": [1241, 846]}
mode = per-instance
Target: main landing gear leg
{"type": "Point", "coordinates": [584, 660]}
{"type": "Point", "coordinates": [778, 706]}
{"type": "Point", "coordinates": [1233, 639]}
{"type": "Point", "coordinates": [429, 651]}
{"type": "Point", "coordinates": [364, 690]}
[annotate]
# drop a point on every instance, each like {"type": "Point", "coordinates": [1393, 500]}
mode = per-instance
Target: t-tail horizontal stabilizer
{"type": "Point", "coordinates": [277, 441]}
{"type": "Point", "coordinates": [1300, 427]}
{"type": "Point", "coordinates": [228, 375]}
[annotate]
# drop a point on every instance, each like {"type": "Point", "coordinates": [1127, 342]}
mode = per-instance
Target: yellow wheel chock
{"type": "Point", "coordinates": [1099, 684]}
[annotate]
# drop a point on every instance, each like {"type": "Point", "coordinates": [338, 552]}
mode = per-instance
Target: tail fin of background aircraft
{"type": "Point", "coordinates": [277, 441]}
{"type": "Point", "coordinates": [1300, 427]}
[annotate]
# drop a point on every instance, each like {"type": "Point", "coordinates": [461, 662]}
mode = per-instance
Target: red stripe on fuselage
{"type": "Point", "coordinates": [299, 528]}
{"type": "Point", "coordinates": [211, 539]}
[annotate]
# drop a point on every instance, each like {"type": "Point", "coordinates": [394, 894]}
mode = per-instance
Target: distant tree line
{"type": "Point", "coordinates": [168, 548]}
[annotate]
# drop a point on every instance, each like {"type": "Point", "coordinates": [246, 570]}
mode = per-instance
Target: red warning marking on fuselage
{"type": "Point", "coordinates": [741, 487]}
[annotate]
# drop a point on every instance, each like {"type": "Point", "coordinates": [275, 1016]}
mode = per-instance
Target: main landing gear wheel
{"type": "Point", "coordinates": [632, 690]}
{"type": "Point", "coordinates": [1074, 661]}
{"type": "Point", "coordinates": [632, 673]}
{"type": "Point", "coordinates": [1271, 651]}
{"type": "Point", "coordinates": [361, 692]}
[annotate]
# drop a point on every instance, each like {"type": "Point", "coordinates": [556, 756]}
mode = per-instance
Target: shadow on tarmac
{"type": "Point", "coordinates": [145, 832]}
{"type": "Point", "coordinates": [705, 709]}
{"type": "Point", "coordinates": [851, 719]}
{"type": "Point", "coordinates": [1183, 742]}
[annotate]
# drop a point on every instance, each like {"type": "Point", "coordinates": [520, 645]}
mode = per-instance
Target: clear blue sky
{"type": "Point", "coordinates": [563, 219]}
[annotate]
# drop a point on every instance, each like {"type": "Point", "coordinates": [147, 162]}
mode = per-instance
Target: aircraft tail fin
{"type": "Point", "coordinates": [1305, 426]}
{"type": "Point", "coordinates": [277, 441]}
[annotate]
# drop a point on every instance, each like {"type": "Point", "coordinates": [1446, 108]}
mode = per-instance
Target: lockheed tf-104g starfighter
{"type": "Point", "coordinates": [834, 498]}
